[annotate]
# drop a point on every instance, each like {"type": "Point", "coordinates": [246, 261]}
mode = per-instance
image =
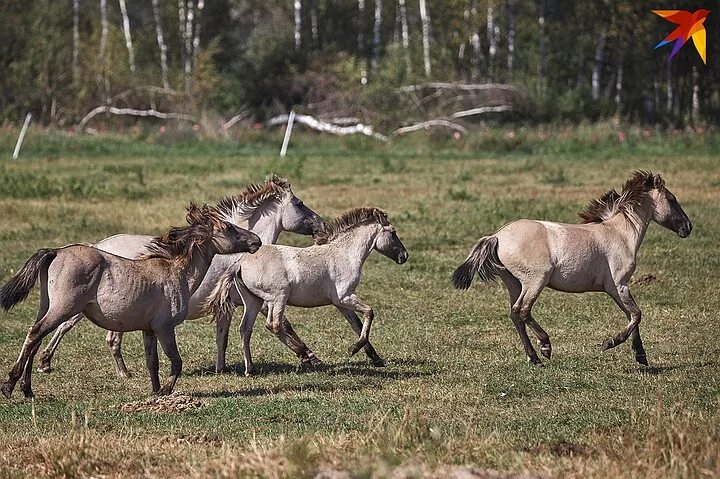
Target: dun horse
{"type": "Point", "coordinates": [266, 210]}
{"type": "Point", "coordinates": [599, 255]}
{"type": "Point", "coordinates": [319, 275]}
{"type": "Point", "coordinates": [150, 294]}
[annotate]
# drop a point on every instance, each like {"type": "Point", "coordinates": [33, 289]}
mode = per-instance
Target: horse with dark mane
{"type": "Point", "coordinates": [599, 255]}
{"type": "Point", "coordinates": [150, 294]}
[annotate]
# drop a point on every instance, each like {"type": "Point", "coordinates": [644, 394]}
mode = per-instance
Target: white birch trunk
{"type": "Point", "coordinates": [314, 31]}
{"type": "Point", "coordinates": [598, 61]}
{"type": "Point", "coordinates": [76, 40]}
{"type": "Point", "coordinates": [491, 36]}
{"type": "Point", "coordinates": [189, 16]}
{"type": "Point", "coordinates": [196, 39]}
{"type": "Point", "coordinates": [405, 33]}
{"type": "Point", "coordinates": [541, 47]}
{"type": "Point", "coordinates": [298, 23]}
{"type": "Point", "coordinates": [161, 43]}
{"type": "Point", "coordinates": [103, 45]}
{"type": "Point", "coordinates": [510, 10]}
{"type": "Point", "coordinates": [425, 18]}
{"type": "Point", "coordinates": [181, 30]}
{"type": "Point", "coordinates": [361, 41]}
{"type": "Point", "coordinates": [619, 89]}
{"type": "Point", "coordinates": [695, 95]}
{"type": "Point", "coordinates": [376, 34]}
{"type": "Point", "coordinates": [670, 92]}
{"type": "Point", "coordinates": [128, 36]}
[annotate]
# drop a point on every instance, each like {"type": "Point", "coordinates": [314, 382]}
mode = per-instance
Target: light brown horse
{"type": "Point", "coordinates": [599, 255]}
{"type": "Point", "coordinates": [150, 294]}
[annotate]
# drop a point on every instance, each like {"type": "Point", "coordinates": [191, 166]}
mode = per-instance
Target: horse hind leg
{"type": "Point", "coordinates": [542, 337]}
{"type": "Point", "coordinates": [522, 297]}
{"type": "Point", "coordinates": [47, 354]}
{"type": "Point", "coordinates": [253, 305]}
{"type": "Point", "coordinates": [168, 343]}
{"type": "Point", "coordinates": [114, 343]}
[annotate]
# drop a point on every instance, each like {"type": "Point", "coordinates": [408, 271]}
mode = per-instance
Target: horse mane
{"type": "Point", "coordinates": [235, 209]}
{"type": "Point", "coordinates": [180, 243]}
{"type": "Point", "coordinates": [611, 202]}
{"type": "Point", "coordinates": [349, 220]}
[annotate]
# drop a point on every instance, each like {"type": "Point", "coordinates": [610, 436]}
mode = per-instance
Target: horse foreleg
{"type": "Point", "coordinates": [293, 341]}
{"type": "Point", "coordinates": [542, 337]}
{"type": "Point", "coordinates": [47, 354]}
{"type": "Point", "coordinates": [113, 339]}
{"type": "Point", "coordinates": [166, 337]}
{"type": "Point", "coordinates": [222, 330]}
{"type": "Point", "coordinates": [356, 304]}
{"type": "Point", "coordinates": [621, 294]}
{"type": "Point", "coordinates": [151, 360]}
{"type": "Point", "coordinates": [356, 325]}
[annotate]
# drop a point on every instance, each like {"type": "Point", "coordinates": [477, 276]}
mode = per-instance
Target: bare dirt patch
{"type": "Point", "coordinates": [173, 403]}
{"type": "Point", "coordinates": [645, 280]}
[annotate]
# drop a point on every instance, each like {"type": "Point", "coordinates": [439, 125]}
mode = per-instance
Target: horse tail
{"type": "Point", "coordinates": [219, 302]}
{"type": "Point", "coordinates": [484, 259]}
{"type": "Point", "coordinates": [19, 286]}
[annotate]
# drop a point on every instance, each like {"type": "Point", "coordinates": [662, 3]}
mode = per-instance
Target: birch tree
{"type": "Point", "coordinates": [405, 33]}
{"type": "Point", "coordinates": [314, 22]}
{"type": "Point", "coordinates": [361, 41]}
{"type": "Point", "coordinates": [297, 4]}
{"type": "Point", "coordinates": [196, 39]}
{"type": "Point", "coordinates": [128, 37]}
{"type": "Point", "coordinates": [599, 60]}
{"type": "Point", "coordinates": [161, 43]}
{"type": "Point", "coordinates": [181, 29]}
{"type": "Point", "coordinates": [425, 19]}
{"type": "Point", "coordinates": [189, 16]}
{"type": "Point", "coordinates": [102, 76]}
{"type": "Point", "coordinates": [376, 34]}
{"type": "Point", "coordinates": [510, 17]}
{"type": "Point", "coordinates": [542, 12]}
{"type": "Point", "coordinates": [76, 40]}
{"type": "Point", "coordinates": [492, 37]}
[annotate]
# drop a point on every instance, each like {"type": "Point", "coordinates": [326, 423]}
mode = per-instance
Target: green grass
{"type": "Point", "coordinates": [458, 389]}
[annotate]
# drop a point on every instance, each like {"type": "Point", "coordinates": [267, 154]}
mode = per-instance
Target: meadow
{"type": "Point", "coordinates": [457, 389]}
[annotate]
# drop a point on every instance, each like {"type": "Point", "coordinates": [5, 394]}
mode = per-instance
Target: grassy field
{"type": "Point", "coordinates": [458, 389]}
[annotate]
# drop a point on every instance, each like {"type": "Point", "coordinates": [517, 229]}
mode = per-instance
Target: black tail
{"type": "Point", "coordinates": [483, 258]}
{"type": "Point", "coordinates": [19, 286]}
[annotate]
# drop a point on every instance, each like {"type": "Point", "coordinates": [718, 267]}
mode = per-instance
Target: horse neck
{"type": "Point", "coordinates": [356, 244]}
{"type": "Point", "coordinates": [194, 270]}
{"type": "Point", "coordinates": [633, 224]}
{"type": "Point", "coordinates": [265, 222]}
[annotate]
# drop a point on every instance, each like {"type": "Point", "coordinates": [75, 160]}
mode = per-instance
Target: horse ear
{"type": "Point", "coordinates": [194, 214]}
{"type": "Point", "coordinates": [658, 182]}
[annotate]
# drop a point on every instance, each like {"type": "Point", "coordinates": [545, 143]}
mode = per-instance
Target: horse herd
{"type": "Point", "coordinates": [226, 257]}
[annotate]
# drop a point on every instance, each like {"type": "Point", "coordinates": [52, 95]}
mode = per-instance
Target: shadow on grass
{"type": "Point", "coordinates": [660, 369]}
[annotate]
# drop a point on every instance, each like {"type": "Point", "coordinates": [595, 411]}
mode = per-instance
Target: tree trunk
{"type": "Point", "coordinates": [128, 37]}
{"type": "Point", "coordinates": [425, 18]}
{"type": "Point", "coordinates": [477, 57]}
{"type": "Point", "coordinates": [103, 78]}
{"type": "Point", "coordinates": [161, 43]}
{"type": "Point", "coordinates": [404, 33]}
{"type": "Point", "coordinates": [361, 41]}
{"type": "Point", "coordinates": [695, 96]}
{"type": "Point", "coordinates": [670, 92]}
{"type": "Point", "coordinates": [196, 39]}
{"type": "Point", "coordinates": [76, 41]}
{"type": "Point", "coordinates": [376, 35]}
{"type": "Point", "coordinates": [492, 37]}
{"type": "Point", "coordinates": [314, 22]}
{"type": "Point", "coordinates": [598, 61]}
{"type": "Point", "coordinates": [190, 15]}
{"type": "Point", "coordinates": [542, 7]}
{"type": "Point", "coordinates": [297, 5]}
{"type": "Point", "coordinates": [619, 89]}
{"type": "Point", "coordinates": [510, 13]}
{"type": "Point", "coordinates": [181, 30]}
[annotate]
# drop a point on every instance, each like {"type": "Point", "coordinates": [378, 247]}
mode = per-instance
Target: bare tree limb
{"type": "Point", "coordinates": [481, 110]}
{"type": "Point", "coordinates": [132, 112]}
{"type": "Point", "coordinates": [232, 121]}
{"type": "Point", "coordinates": [315, 124]}
{"type": "Point", "coordinates": [424, 125]}
{"type": "Point", "coordinates": [458, 86]}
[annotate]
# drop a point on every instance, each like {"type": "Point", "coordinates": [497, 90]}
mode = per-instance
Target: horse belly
{"type": "Point", "coordinates": [308, 296]}
{"type": "Point", "coordinates": [577, 274]}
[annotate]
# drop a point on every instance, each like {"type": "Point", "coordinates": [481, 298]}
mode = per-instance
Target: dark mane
{"type": "Point", "coordinates": [239, 207]}
{"type": "Point", "coordinates": [180, 243]}
{"type": "Point", "coordinates": [611, 202]}
{"type": "Point", "coordinates": [349, 220]}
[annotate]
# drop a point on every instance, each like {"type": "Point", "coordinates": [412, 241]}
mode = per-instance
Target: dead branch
{"type": "Point", "coordinates": [315, 124]}
{"type": "Point", "coordinates": [132, 112]}
{"type": "Point", "coordinates": [458, 86]}
{"type": "Point", "coordinates": [232, 121]}
{"type": "Point", "coordinates": [428, 124]}
{"type": "Point", "coordinates": [481, 110]}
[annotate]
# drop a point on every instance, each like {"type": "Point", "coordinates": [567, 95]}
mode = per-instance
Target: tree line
{"type": "Point", "coordinates": [370, 60]}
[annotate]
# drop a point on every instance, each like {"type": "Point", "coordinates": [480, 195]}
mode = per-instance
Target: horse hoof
{"type": "Point", "coordinates": [642, 359]}
{"type": "Point", "coordinates": [6, 390]}
{"type": "Point", "coordinates": [536, 362]}
{"type": "Point", "coordinates": [608, 344]}
{"type": "Point", "coordinates": [352, 351]}
{"type": "Point", "coordinates": [315, 361]}
{"type": "Point", "coordinates": [28, 393]}
{"type": "Point", "coordinates": [164, 391]}
{"type": "Point", "coordinates": [124, 374]}
{"type": "Point", "coordinates": [546, 351]}
{"type": "Point", "coordinates": [249, 373]}
{"type": "Point", "coordinates": [44, 368]}
{"type": "Point", "coordinates": [379, 362]}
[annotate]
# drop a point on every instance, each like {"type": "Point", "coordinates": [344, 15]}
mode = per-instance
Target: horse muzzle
{"type": "Point", "coordinates": [684, 230]}
{"type": "Point", "coordinates": [402, 257]}
{"type": "Point", "coordinates": [253, 246]}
